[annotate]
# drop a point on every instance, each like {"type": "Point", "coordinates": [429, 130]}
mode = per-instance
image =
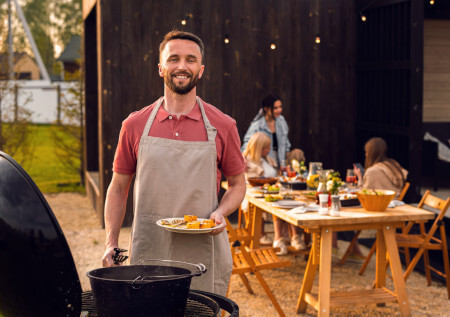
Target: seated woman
{"type": "Point", "coordinates": [259, 164]}
{"type": "Point", "coordinates": [381, 172]}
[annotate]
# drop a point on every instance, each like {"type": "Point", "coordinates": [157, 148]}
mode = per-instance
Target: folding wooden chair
{"type": "Point", "coordinates": [254, 261]}
{"type": "Point", "coordinates": [357, 233]}
{"type": "Point", "coordinates": [425, 241]}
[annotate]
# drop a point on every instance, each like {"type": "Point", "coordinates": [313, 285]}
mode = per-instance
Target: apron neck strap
{"type": "Point", "coordinates": [211, 131]}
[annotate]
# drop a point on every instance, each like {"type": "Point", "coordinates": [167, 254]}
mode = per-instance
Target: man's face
{"type": "Point", "coordinates": [181, 65]}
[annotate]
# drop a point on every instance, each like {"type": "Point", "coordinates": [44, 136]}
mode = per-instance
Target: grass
{"type": "Point", "coordinates": [44, 167]}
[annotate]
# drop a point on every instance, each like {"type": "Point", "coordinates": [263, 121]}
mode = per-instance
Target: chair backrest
{"type": "Point", "coordinates": [403, 191]}
{"type": "Point", "coordinates": [437, 203]}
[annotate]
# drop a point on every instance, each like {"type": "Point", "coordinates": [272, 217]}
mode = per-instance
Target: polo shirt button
{"type": "Point", "coordinates": [170, 117]}
{"type": "Point", "coordinates": [176, 134]}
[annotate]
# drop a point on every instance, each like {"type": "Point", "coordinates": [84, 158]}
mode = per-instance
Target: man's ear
{"type": "Point", "coordinates": [160, 70]}
{"type": "Point", "coordinates": [202, 69]}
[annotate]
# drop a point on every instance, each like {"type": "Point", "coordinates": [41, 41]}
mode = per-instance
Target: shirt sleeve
{"type": "Point", "coordinates": [125, 157]}
{"type": "Point", "coordinates": [232, 162]}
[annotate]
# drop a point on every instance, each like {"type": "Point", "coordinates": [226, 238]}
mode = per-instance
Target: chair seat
{"type": "Point", "coordinates": [264, 258]}
{"type": "Point", "coordinates": [415, 241]}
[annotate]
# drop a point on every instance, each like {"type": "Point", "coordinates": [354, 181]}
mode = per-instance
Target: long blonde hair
{"type": "Point", "coordinates": [255, 146]}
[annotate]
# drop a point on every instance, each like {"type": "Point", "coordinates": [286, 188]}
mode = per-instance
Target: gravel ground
{"type": "Point", "coordinates": [86, 240]}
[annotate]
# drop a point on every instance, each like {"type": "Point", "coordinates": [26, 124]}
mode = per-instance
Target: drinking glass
{"type": "Point", "coordinates": [285, 168]}
{"type": "Point", "coordinates": [351, 177]}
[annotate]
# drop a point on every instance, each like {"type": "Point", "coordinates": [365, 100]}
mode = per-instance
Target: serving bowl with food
{"type": "Point", "coordinates": [375, 199]}
{"type": "Point", "coordinates": [259, 181]}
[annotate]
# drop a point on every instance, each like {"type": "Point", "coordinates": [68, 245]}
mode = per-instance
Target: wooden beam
{"type": "Point", "coordinates": [88, 5]}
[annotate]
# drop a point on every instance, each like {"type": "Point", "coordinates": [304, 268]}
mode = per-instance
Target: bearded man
{"type": "Point", "coordinates": [177, 148]}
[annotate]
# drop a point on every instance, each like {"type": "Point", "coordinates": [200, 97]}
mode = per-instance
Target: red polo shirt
{"type": "Point", "coordinates": [189, 127]}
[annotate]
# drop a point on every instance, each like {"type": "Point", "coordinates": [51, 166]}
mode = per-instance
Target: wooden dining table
{"type": "Point", "coordinates": [321, 229]}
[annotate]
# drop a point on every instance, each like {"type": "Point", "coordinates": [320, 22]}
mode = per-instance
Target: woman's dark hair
{"type": "Point", "coordinates": [376, 152]}
{"type": "Point", "coordinates": [268, 102]}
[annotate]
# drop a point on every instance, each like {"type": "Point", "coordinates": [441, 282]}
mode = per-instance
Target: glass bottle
{"type": "Point", "coordinates": [312, 181]}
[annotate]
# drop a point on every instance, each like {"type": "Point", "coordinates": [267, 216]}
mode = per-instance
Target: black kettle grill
{"type": "Point", "coordinates": [38, 276]}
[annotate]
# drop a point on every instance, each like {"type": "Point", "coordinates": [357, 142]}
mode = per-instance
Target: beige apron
{"type": "Point", "coordinates": [174, 178]}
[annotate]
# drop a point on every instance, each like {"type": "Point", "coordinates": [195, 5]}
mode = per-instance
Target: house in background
{"type": "Point", "coordinates": [71, 59]}
{"type": "Point", "coordinates": [25, 67]}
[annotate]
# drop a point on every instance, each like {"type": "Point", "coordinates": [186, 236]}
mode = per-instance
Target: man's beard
{"type": "Point", "coordinates": [169, 80]}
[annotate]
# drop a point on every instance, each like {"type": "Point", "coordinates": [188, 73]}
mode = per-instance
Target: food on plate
{"type": "Point", "coordinates": [288, 196]}
{"type": "Point", "coordinates": [347, 196]}
{"type": "Point", "coordinates": [270, 188]}
{"type": "Point", "coordinates": [371, 192]}
{"type": "Point", "coordinates": [190, 218]}
{"type": "Point", "coordinates": [207, 223]}
{"type": "Point", "coordinates": [172, 223]}
{"type": "Point", "coordinates": [182, 223]}
{"type": "Point", "coordinates": [193, 225]}
{"type": "Point", "coordinates": [272, 198]}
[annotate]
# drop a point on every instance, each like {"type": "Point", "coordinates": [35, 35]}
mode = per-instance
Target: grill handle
{"type": "Point", "coordinates": [201, 268]}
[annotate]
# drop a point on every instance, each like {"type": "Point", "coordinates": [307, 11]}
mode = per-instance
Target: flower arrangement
{"type": "Point", "coordinates": [334, 183]}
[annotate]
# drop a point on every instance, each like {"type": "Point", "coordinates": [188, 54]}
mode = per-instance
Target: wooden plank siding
{"type": "Point", "coordinates": [325, 89]}
{"type": "Point", "coordinates": [436, 77]}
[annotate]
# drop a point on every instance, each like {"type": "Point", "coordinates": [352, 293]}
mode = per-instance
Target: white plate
{"type": "Point", "coordinates": [303, 209]}
{"type": "Point", "coordinates": [262, 191]}
{"type": "Point", "coordinates": [183, 229]}
{"type": "Point", "coordinates": [289, 203]}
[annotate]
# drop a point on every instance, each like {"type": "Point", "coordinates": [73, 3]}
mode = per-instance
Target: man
{"type": "Point", "coordinates": [175, 148]}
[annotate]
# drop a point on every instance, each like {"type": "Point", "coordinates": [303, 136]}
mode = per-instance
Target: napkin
{"type": "Point", "coordinates": [395, 203]}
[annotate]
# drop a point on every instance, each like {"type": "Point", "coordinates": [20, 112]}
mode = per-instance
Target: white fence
{"type": "Point", "coordinates": [42, 98]}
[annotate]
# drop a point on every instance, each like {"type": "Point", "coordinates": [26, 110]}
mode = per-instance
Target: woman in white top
{"type": "Point", "coordinates": [259, 164]}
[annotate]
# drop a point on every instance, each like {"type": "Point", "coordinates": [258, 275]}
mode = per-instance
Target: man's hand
{"type": "Point", "coordinates": [220, 222]}
{"type": "Point", "coordinates": [230, 201]}
{"type": "Point", "coordinates": [107, 259]}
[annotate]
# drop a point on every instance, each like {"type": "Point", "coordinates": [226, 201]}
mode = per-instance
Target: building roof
{"type": "Point", "coordinates": [72, 52]}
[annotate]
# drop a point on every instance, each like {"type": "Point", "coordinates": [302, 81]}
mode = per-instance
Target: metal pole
{"type": "Point", "coordinates": [58, 92]}
{"type": "Point", "coordinates": [16, 102]}
{"type": "Point", "coordinates": [10, 45]}
{"type": "Point", "coordinates": [37, 55]}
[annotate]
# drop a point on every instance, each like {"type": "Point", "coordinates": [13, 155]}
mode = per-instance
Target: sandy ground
{"type": "Point", "coordinates": [86, 240]}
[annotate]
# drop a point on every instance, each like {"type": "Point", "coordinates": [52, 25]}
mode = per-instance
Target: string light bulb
{"type": "Point", "coordinates": [317, 40]}
{"type": "Point", "coordinates": [431, 2]}
{"type": "Point", "coordinates": [273, 46]}
{"type": "Point", "coordinates": [363, 18]}
{"type": "Point", "coordinates": [186, 18]}
{"type": "Point", "coordinates": [227, 39]}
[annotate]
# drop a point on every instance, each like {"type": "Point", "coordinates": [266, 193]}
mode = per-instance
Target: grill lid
{"type": "Point", "coordinates": [37, 272]}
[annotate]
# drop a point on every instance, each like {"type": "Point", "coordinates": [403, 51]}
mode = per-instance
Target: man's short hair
{"type": "Point", "coordinates": [182, 35]}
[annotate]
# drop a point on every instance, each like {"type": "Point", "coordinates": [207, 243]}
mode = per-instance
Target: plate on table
{"type": "Point", "coordinates": [303, 209]}
{"type": "Point", "coordinates": [183, 228]}
{"type": "Point", "coordinates": [348, 200]}
{"type": "Point", "coordinates": [265, 191]}
{"type": "Point", "coordinates": [288, 203]}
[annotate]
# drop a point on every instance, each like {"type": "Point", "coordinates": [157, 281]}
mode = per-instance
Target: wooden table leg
{"type": "Point", "coordinates": [396, 268]}
{"type": "Point", "coordinates": [310, 272]}
{"type": "Point", "coordinates": [256, 226]}
{"type": "Point", "coordinates": [380, 268]}
{"type": "Point", "coordinates": [325, 272]}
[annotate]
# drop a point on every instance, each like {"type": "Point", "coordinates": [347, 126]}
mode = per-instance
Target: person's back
{"type": "Point", "coordinates": [383, 176]}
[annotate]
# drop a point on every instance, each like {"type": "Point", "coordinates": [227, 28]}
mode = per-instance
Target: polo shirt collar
{"type": "Point", "coordinates": [194, 114]}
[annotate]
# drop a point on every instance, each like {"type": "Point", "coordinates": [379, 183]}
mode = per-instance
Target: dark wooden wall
{"type": "Point", "coordinates": [389, 72]}
{"type": "Point", "coordinates": [316, 81]}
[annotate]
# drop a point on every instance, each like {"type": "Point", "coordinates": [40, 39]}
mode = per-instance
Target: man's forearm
{"type": "Point", "coordinates": [115, 207]}
{"type": "Point", "coordinates": [233, 196]}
